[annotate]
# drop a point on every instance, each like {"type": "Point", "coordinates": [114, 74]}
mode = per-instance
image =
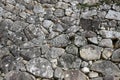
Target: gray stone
{"type": "Point", "coordinates": [77, 63]}
{"type": "Point", "coordinates": [62, 5]}
{"type": "Point", "coordinates": [68, 11]}
{"type": "Point", "coordinates": [93, 40]}
{"type": "Point", "coordinates": [88, 14]}
{"type": "Point", "coordinates": [66, 61]}
{"type": "Point", "coordinates": [106, 43]}
{"type": "Point", "coordinates": [38, 9]}
{"type": "Point", "coordinates": [84, 64]}
{"type": "Point", "coordinates": [17, 75]}
{"type": "Point", "coordinates": [75, 75]}
{"type": "Point", "coordinates": [109, 34]}
{"type": "Point", "coordinates": [109, 77]}
{"type": "Point", "coordinates": [107, 53]}
{"type": "Point", "coordinates": [9, 63]}
{"type": "Point", "coordinates": [30, 53]}
{"type": "Point", "coordinates": [31, 19]}
{"type": "Point", "coordinates": [58, 73]}
{"type": "Point", "coordinates": [116, 55]}
{"type": "Point", "coordinates": [80, 41]}
{"type": "Point", "coordinates": [113, 15]}
{"type": "Point", "coordinates": [98, 78]}
{"type": "Point", "coordinates": [60, 41]}
{"type": "Point", "coordinates": [72, 49]}
{"type": "Point", "coordinates": [93, 74]}
{"type": "Point", "coordinates": [90, 52]}
{"type": "Point", "coordinates": [1, 11]}
{"type": "Point", "coordinates": [73, 29]}
{"type": "Point", "coordinates": [90, 34]}
{"type": "Point", "coordinates": [47, 24]}
{"type": "Point", "coordinates": [106, 68]}
{"type": "Point", "coordinates": [48, 1]}
{"type": "Point", "coordinates": [4, 52]}
{"type": "Point", "coordinates": [59, 12]}
{"type": "Point", "coordinates": [40, 67]}
{"type": "Point", "coordinates": [90, 2]}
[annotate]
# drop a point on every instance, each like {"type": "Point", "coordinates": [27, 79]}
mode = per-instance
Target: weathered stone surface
{"type": "Point", "coordinates": [99, 78]}
{"type": "Point", "coordinates": [60, 41]}
{"type": "Point", "coordinates": [17, 75]}
{"type": "Point", "coordinates": [90, 52]}
{"type": "Point", "coordinates": [74, 75]}
{"type": "Point", "coordinates": [107, 53]}
{"type": "Point", "coordinates": [116, 55]}
{"type": "Point", "coordinates": [59, 73]}
{"type": "Point", "coordinates": [109, 34]}
{"type": "Point", "coordinates": [48, 23]}
{"type": "Point", "coordinates": [106, 43]}
{"type": "Point", "coordinates": [80, 41]}
{"type": "Point", "coordinates": [93, 74]}
{"type": "Point", "coordinates": [109, 77]}
{"type": "Point", "coordinates": [106, 68]}
{"type": "Point", "coordinates": [113, 15]}
{"type": "Point", "coordinates": [90, 2]}
{"type": "Point", "coordinates": [72, 49]}
{"type": "Point", "coordinates": [40, 67]}
{"type": "Point", "coordinates": [93, 40]}
{"type": "Point", "coordinates": [59, 12]}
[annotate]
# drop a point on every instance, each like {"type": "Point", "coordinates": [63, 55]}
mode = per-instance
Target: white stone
{"type": "Point", "coordinates": [85, 70]}
{"type": "Point", "coordinates": [93, 74]}
{"type": "Point", "coordinates": [93, 40]}
{"type": "Point", "coordinates": [68, 11]}
{"type": "Point", "coordinates": [90, 2]}
{"type": "Point", "coordinates": [113, 15]}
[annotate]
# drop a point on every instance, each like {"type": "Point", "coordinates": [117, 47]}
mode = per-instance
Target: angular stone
{"type": "Point", "coordinates": [106, 43]}
{"type": "Point", "coordinates": [38, 9]}
{"type": "Point", "coordinates": [93, 40]}
{"type": "Point", "coordinates": [66, 61]}
{"type": "Point", "coordinates": [90, 2]}
{"type": "Point", "coordinates": [75, 75]}
{"type": "Point", "coordinates": [93, 74]}
{"type": "Point", "coordinates": [106, 68]}
{"type": "Point", "coordinates": [30, 53]}
{"type": "Point", "coordinates": [90, 52]}
{"type": "Point", "coordinates": [17, 75]}
{"type": "Point", "coordinates": [60, 41]}
{"type": "Point", "coordinates": [72, 49]}
{"type": "Point", "coordinates": [110, 34]}
{"type": "Point", "coordinates": [113, 15]}
{"type": "Point", "coordinates": [80, 41]}
{"type": "Point", "coordinates": [116, 55]}
{"type": "Point", "coordinates": [107, 53]}
{"type": "Point", "coordinates": [62, 5]}
{"type": "Point", "coordinates": [9, 63]}
{"type": "Point", "coordinates": [31, 19]}
{"type": "Point", "coordinates": [58, 73]}
{"type": "Point", "coordinates": [40, 67]}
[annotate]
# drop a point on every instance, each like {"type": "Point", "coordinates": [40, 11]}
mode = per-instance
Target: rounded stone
{"type": "Point", "coordinates": [116, 55]}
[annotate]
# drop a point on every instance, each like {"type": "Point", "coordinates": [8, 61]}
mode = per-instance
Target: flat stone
{"type": "Point", "coordinates": [98, 78]}
{"type": "Point", "coordinates": [110, 34]}
{"type": "Point", "coordinates": [90, 2]}
{"type": "Point", "coordinates": [90, 52]}
{"type": "Point", "coordinates": [85, 70]}
{"type": "Point", "coordinates": [106, 43]}
{"type": "Point", "coordinates": [113, 15]}
{"type": "Point", "coordinates": [116, 55]}
{"type": "Point", "coordinates": [60, 41]}
{"type": "Point", "coordinates": [40, 67]}
{"type": "Point", "coordinates": [72, 49]}
{"type": "Point", "coordinates": [109, 77]}
{"type": "Point", "coordinates": [62, 5]}
{"type": "Point", "coordinates": [58, 73]}
{"type": "Point", "coordinates": [59, 12]}
{"type": "Point", "coordinates": [106, 68]}
{"type": "Point", "coordinates": [93, 40]}
{"type": "Point", "coordinates": [38, 9]}
{"type": "Point", "coordinates": [93, 74]}
{"type": "Point", "coordinates": [107, 53]}
{"type": "Point", "coordinates": [80, 41]}
{"type": "Point", "coordinates": [17, 75]}
{"type": "Point", "coordinates": [75, 75]}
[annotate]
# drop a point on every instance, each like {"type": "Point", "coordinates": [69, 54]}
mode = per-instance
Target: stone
{"type": "Point", "coordinates": [90, 52]}
{"type": "Point", "coordinates": [107, 53]}
{"type": "Point", "coordinates": [77, 63]}
{"type": "Point", "coordinates": [72, 49]}
{"type": "Point", "coordinates": [9, 63]}
{"type": "Point", "coordinates": [55, 52]}
{"type": "Point", "coordinates": [60, 41]}
{"type": "Point", "coordinates": [59, 12]}
{"type": "Point", "coordinates": [68, 11]}
{"type": "Point", "coordinates": [38, 9]}
{"type": "Point", "coordinates": [80, 41]}
{"type": "Point", "coordinates": [40, 67]}
{"type": "Point", "coordinates": [98, 78]}
{"type": "Point", "coordinates": [47, 24]}
{"type": "Point", "coordinates": [93, 74]}
{"type": "Point", "coordinates": [88, 14]}
{"type": "Point", "coordinates": [4, 52]}
{"type": "Point", "coordinates": [109, 77]}
{"type": "Point", "coordinates": [58, 73]}
{"type": "Point", "coordinates": [1, 11]}
{"type": "Point", "coordinates": [85, 70]}
{"type": "Point", "coordinates": [31, 19]}
{"type": "Point", "coordinates": [84, 64]}
{"type": "Point", "coordinates": [90, 2]}
{"type": "Point", "coordinates": [17, 75]}
{"type": "Point", "coordinates": [73, 29]}
{"type": "Point", "coordinates": [116, 55]}
{"type": "Point", "coordinates": [113, 15]}
{"type": "Point", "coordinates": [93, 40]}
{"type": "Point", "coordinates": [27, 1]}
{"type": "Point", "coordinates": [30, 53]}
{"type": "Point", "coordinates": [48, 1]}
{"type": "Point", "coordinates": [90, 34]}
{"type": "Point", "coordinates": [105, 67]}
{"type": "Point", "coordinates": [66, 61]}
{"type": "Point", "coordinates": [106, 43]}
{"type": "Point", "coordinates": [74, 75]}
{"type": "Point", "coordinates": [110, 34]}
{"type": "Point", "coordinates": [62, 5]}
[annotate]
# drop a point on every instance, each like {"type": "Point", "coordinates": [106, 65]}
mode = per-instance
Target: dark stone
{"type": "Point", "coordinates": [116, 55]}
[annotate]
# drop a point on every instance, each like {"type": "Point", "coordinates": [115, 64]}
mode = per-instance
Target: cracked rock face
{"type": "Point", "coordinates": [40, 67]}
